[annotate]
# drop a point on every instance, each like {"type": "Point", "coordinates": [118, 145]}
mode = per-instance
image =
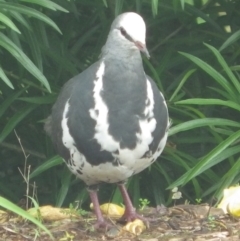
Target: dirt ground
{"type": "Point", "coordinates": [178, 223]}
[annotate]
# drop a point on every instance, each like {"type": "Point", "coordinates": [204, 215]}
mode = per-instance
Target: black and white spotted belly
{"type": "Point", "coordinates": [117, 131]}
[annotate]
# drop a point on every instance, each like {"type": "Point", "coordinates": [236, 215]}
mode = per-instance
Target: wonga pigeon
{"type": "Point", "coordinates": [111, 122]}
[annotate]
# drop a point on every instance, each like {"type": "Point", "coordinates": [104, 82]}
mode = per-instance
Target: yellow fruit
{"type": "Point", "coordinates": [49, 213]}
{"type": "Point", "coordinates": [231, 201]}
{"type": "Point", "coordinates": [136, 227]}
{"type": "Point", "coordinates": [110, 209]}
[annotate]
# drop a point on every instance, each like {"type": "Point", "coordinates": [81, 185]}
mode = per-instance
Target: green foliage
{"type": "Point", "coordinates": [45, 43]}
{"type": "Point", "coordinates": [198, 200]}
{"type": "Point", "coordinates": [229, 90]}
{"type": "Point", "coordinates": [143, 203]}
{"type": "Point", "coordinates": [73, 211]}
{"type": "Point", "coordinates": [14, 208]}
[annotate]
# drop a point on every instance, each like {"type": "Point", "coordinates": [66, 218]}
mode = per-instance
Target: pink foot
{"type": "Point", "coordinates": [130, 213]}
{"type": "Point", "coordinates": [131, 216]}
{"type": "Point", "coordinates": [101, 223]}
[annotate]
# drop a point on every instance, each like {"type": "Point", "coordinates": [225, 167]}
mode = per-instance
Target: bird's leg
{"type": "Point", "coordinates": [130, 213]}
{"type": "Point", "coordinates": [101, 222]}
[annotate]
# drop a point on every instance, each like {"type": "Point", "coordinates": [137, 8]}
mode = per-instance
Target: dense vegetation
{"type": "Point", "coordinates": [195, 55]}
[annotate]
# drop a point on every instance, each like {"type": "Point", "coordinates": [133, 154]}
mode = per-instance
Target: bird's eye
{"type": "Point", "coordinates": [125, 34]}
{"type": "Point", "coordinates": [123, 31]}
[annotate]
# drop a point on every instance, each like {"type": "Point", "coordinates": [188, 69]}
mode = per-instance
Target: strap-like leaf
{"type": "Point", "coordinates": [14, 120]}
{"type": "Point", "coordinates": [47, 4]}
{"type": "Point", "coordinates": [14, 208]}
{"type": "Point", "coordinates": [188, 125]}
{"type": "Point", "coordinates": [227, 69]}
{"type": "Point", "coordinates": [30, 12]}
{"type": "Point", "coordinates": [4, 77]}
{"type": "Point", "coordinates": [212, 72]}
{"type": "Point", "coordinates": [8, 22]}
{"type": "Point", "coordinates": [212, 154]}
{"type": "Point", "coordinates": [199, 101]}
{"type": "Point", "coordinates": [23, 59]}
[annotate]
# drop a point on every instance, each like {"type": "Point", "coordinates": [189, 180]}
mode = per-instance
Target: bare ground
{"type": "Point", "coordinates": [178, 223]}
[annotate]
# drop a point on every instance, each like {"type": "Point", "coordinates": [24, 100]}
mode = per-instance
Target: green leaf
{"type": "Point", "coordinates": [34, 44]}
{"type": "Point", "coordinates": [221, 92]}
{"type": "Point", "coordinates": [35, 203]}
{"type": "Point", "coordinates": [228, 177]}
{"type": "Point", "coordinates": [14, 208]}
{"type": "Point", "coordinates": [155, 7]}
{"type": "Point", "coordinates": [47, 4]}
{"type": "Point", "coordinates": [185, 77]}
{"type": "Point", "coordinates": [29, 12]}
{"type": "Point", "coordinates": [65, 181]}
{"type": "Point", "coordinates": [20, 19]}
{"type": "Point", "coordinates": [9, 100]}
{"type": "Point", "coordinates": [198, 101]}
{"type": "Point", "coordinates": [39, 100]}
{"type": "Point", "coordinates": [23, 59]}
{"type": "Point", "coordinates": [211, 71]}
{"type": "Point", "coordinates": [232, 39]}
{"type": "Point", "coordinates": [54, 161]}
{"type": "Point", "coordinates": [192, 124]}
{"type": "Point", "coordinates": [212, 154]}
{"type": "Point", "coordinates": [155, 74]}
{"type": "Point", "coordinates": [182, 4]}
{"type": "Point", "coordinates": [118, 7]}
{"type": "Point", "coordinates": [4, 19]}
{"type": "Point", "coordinates": [4, 77]}
{"type": "Point", "coordinates": [14, 120]}
{"type": "Point", "coordinates": [105, 3]}
{"type": "Point", "coordinates": [223, 63]}
{"type": "Point", "coordinates": [217, 159]}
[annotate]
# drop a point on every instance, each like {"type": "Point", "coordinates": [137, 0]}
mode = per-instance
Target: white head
{"type": "Point", "coordinates": [128, 31]}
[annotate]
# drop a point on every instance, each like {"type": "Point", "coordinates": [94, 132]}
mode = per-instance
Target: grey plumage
{"type": "Point", "coordinates": [111, 121]}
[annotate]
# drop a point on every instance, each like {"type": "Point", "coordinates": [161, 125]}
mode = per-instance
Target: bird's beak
{"type": "Point", "coordinates": [142, 47]}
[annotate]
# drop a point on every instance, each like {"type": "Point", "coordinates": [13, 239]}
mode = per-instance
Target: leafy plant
{"type": "Point", "coordinates": [202, 150]}
{"type": "Point", "coordinates": [143, 203]}
{"type": "Point", "coordinates": [228, 134]}
{"type": "Point", "coordinates": [14, 208]}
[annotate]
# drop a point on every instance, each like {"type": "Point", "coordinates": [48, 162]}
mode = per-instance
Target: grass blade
{"type": "Point", "coordinates": [29, 12]}
{"type": "Point", "coordinates": [232, 39]}
{"type": "Point", "coordinates": [211, 71]}
{"type": "Point", "coordinates": [23, 59]}
{"type": "Point", "coordinates": [20, 19]}
{"type": "Point", "coordinates": [47, 4]}
{"type": "Point", "coordinates": [217, 159]}
{"type": "Point", "coordinates": [199, 101]}
{"type": "Point", "coordinates": [14, 120]}
{"type": "Point", "coordinates": [66, 179]}
{"type": "Point", "coordinates": [118, 7]}
{"type": "Point", "coordinates": [185, 77]}
{"type": "Point", "coordinates": [4, 106]}
{"type": "Point", "coordinates": [182, 4]}
{"type": "Point", "coordinates": [4, 77]}
{"type": "Point", "coordinates": [192, 124]}
{"type": "Point", "coordinates": [105, 3]}
{"type": "Point", "coordinates": [14, 208]}
{"type": "Point", "coordinates": [223, 63]}
{"type": "Point", "coordinates": [212, 154]}
{"type": "Point", "coordinates": [155, 7]}
{"type": "Point", "coordinates": [4, 19]}
{"type": "Point", "coordinates": [227, 179]}
{"type": "Point", "coordinates": [39, 100]}
{"type": "Point", "coordinates": [54, 161]}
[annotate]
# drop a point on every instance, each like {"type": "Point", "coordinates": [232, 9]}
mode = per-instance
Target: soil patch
{"type": "Point", "coordinates": [178, 223]}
